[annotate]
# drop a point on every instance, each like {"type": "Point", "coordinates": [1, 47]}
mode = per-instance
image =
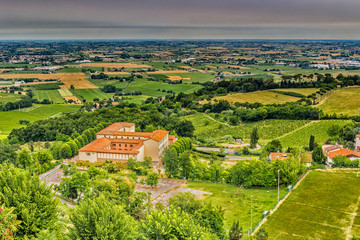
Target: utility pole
{"type": "Point", "coordinates": [251, 228]}
{"type": "Point", "coordinates": [278, 185]}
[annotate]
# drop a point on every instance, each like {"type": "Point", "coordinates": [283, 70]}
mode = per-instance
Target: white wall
{"type": "Point", "coordinates": [88, 156]}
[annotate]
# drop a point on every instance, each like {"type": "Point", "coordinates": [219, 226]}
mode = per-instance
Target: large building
{"type": "Point", "coordinates": [119, 142]}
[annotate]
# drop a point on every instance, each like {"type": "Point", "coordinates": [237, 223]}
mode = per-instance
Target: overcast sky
{"type": "Point", "coordinates": [169, 19]}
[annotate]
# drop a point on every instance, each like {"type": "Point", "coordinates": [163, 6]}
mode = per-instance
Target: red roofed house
{"type": "Point", "coordinates": [119, 142]}
{"type": "Point", "coordinates": [276, 155]}
{"type": "Point", "coordinates": [342, 152]}
{"type": "Point", "coordinates": [357, 142]}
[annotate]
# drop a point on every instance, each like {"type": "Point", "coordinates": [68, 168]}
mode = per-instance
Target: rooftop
{"type": "Point", "coordinates": [343, 152]}
{"type": "Point", "coordinates": [277, 155]}
{"type": "Point", "coordinates": [113, 145]}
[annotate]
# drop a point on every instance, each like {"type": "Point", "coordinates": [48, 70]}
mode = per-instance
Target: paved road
{"type": "Point", "coordinates": [236, 158]}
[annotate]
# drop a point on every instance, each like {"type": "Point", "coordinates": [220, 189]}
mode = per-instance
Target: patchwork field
{"type": "Point", "coordinates": [113, 65]}
{"type": "Point", "coordinates": [155, 89]}
{"type": "Point", "coordinates": [208, 128]}
{"type": "Point", "coordinates": [9, 97]}
{"type": "Point", "coordinates": [235, 201]}
{"type": "Point", "coordinates": [51, 95]}
{"type": "Point", "coordinates": [264, 97]}
{"type": "Point", "coordinates": [90, 94]}
{"type": "Point", "coordinates": [78, 80]}
{"type": "Point", "coordinates": [10, 120]}
{"type": "Point", "coordinates": [318, 129]}
{"type": "Point", "coordinates": [342, 101]}
{"type": "Point", "coordinates": [326, 205]}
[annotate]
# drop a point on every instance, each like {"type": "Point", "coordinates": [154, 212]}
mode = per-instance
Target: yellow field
{"type": "Point", "coordinates": [342, 101]}
{"type": "Point", "coordinates": [175, 78]}
{"type": "Point", "coordinates": [78, 80]}
{"type": "Point", "coordinates": [264, 97]}
{"type": "Point", "coordinates": [75, 99]}
{"type": "Point", "coordinates": [187, 67]}
{"type": "Point", "coordinates": [29, 75]}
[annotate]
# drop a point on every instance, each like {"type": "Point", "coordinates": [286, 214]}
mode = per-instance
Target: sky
{"type": "Point", "coordinates": [180, 19]}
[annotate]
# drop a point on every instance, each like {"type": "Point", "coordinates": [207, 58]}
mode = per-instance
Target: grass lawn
{"type": "Point", "coordinates": [208, 128]}
{"type": "Point", "coordinates": [264, 97]}
{"type": "Point", "coordinates": [90, 94]}
{"type": "Point", "coordinates": [52, 95]}
{"type": "Point", "coordinates": [342, 101]}
{"type": "Point", "coordinates": [301, 136]}
{"type": "Point", "coordinates": [9, 97]}
{"type": "Point", "coordinates": [324, 206]}
{"type": "Point", "coordinates": [10, 120]}
{"type": "Point", "coordinates": [236, 201]}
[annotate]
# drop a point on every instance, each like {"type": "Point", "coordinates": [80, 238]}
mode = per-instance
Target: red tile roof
{"type": "Point", "coordinates": [115, 127]}
{"type": "Point", "coordinates": [343, 152]}
{"type": "Point", "coordinates": [105, 145]}
{"type": "Point", "coordinates": [358, 136]}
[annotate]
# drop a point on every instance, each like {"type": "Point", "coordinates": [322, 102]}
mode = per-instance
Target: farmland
{"type": "Point", "coordinates": [10, 120]}
{"type": "Point", "coordinates": [324, 206]}
{"type": "Point", "coordinates": [90, 94]}
{"type": "Point", "coordinates": [264, 97]}
{"type": "Point", "coordinates": [208, 128]}
{"type": "Point", "coordinates": [52, 95]}
{"type": "Point", "coordinates": [318, 129]}
{"type": "Point", "coordinates": [9, 97]}
{"type": "Point", "coordinates": [235, 201]}
{"type": "Point", "coordinates": [344, 101]}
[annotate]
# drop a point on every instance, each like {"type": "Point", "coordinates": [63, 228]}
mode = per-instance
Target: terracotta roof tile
{"type": "Point", "coordinates": [115, 127]}
{"type": "Point", "coordinates": [343, 152]}
{"type": "Point", "coordinates": [105, 145]}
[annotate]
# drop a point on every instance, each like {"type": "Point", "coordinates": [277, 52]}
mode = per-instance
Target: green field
{"type": "Point", "coordinates": [65, 92]}
{"type": "Point", "coordinates": [208, 128]}
{"type": "Point", "coordinates": [236, 201]}
{"type": "Point", "coordinates": [155, 89]}
{"type": "Point", "coordinates": [264, 97]}
{"type": "Point", "coordinates": [342, 101]}
{"type": "Point", "coordinates": [193, 76]}
{"type": "Point", "coordinates": [10, 120]}
{"type": "Point", "coordinates": [90, 94]}
{"type": "Point", "coordinates": [326, 205]}
{"type": "Point", "coordinates": [301, 136]}
{"type": "Point", "coordinates": [9, 97]}
{"type": "Point", "coordinates": [52, 95]}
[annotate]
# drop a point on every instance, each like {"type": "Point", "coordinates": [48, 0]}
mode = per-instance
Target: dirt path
{"type": "Point", "coordinates": [217, 120]}
{"type": "Point", "coordinates": [288, 133]}
{"type": "Point", "coordinates": [348, 230]}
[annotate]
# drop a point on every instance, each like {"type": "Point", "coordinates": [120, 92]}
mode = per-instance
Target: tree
{"type": "Point", "coordinates": [173, 223]}
{"type": "Point", "coordinates": [235, 232]}
{"type": "Point", "coordinates": [9, 222]}
{"type": "Point", "coordinates": [74, 186]}
{"type": "Point", "coordinates": [148, 162]}
{"type": "Point", "coordinates": [65, 151]}
{"type": "Point", "coordinates": [186, 201]}
{"type": "Point", "coordinates": [274, 146]}
{"type": "Point", "coordinates": [33, 200]}
{"type": "Point", "coordinates": [186, 164]}
{"type": "Point", "coordinates": [8, 155]}
{"type": "Point", "coordinates": [311, 143]}
{"type": "Point", "coordinates": [24, 159]}
{"type": "Point", "coordinates": [171, 162]}
{"type": "Point", "coordinates": [318, 155]}
{"type": "Point", "coordinates": [101, 218]}
{"type": "Point", "coordinates": [262, 234]}
{"type": "Point", "coordinates": [152, 179]}
{"type": "Point", "coordinates": [254, 138]}
{"type": "Point", "coordinates": [44, 156]}
{"type": "Point", "coordinates": [74, 147]}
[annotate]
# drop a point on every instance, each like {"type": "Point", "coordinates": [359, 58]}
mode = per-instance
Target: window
{"type": "Point", "coordinates": [87, 154]}
{"type": "Point", "coordinates": [131, 145]}
{"type": "Point", "coordinates": [119, 145]}
{"type": "Point", "coordinates": [125, 145]}
{"type": "Point", "coordinates": [114, 145]}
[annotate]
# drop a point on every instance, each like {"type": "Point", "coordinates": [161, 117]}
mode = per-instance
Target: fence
{"type": "Point", "coordinates": [281, 200]}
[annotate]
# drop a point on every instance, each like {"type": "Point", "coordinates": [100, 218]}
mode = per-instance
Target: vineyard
{"type": "Point", "coordinates": [317, 129]}
{"type": "Point", "coordinates": [208, 128]}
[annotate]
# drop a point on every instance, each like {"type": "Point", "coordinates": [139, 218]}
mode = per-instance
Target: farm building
{"type": "Point", "coordinates": [352, 155]}
{"type": "Point", "coordinates": [357, 142]}
{"type": "Point", "coordinates": [119, 142]}
{"type": "Point", "coordinates": [306, 158]}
